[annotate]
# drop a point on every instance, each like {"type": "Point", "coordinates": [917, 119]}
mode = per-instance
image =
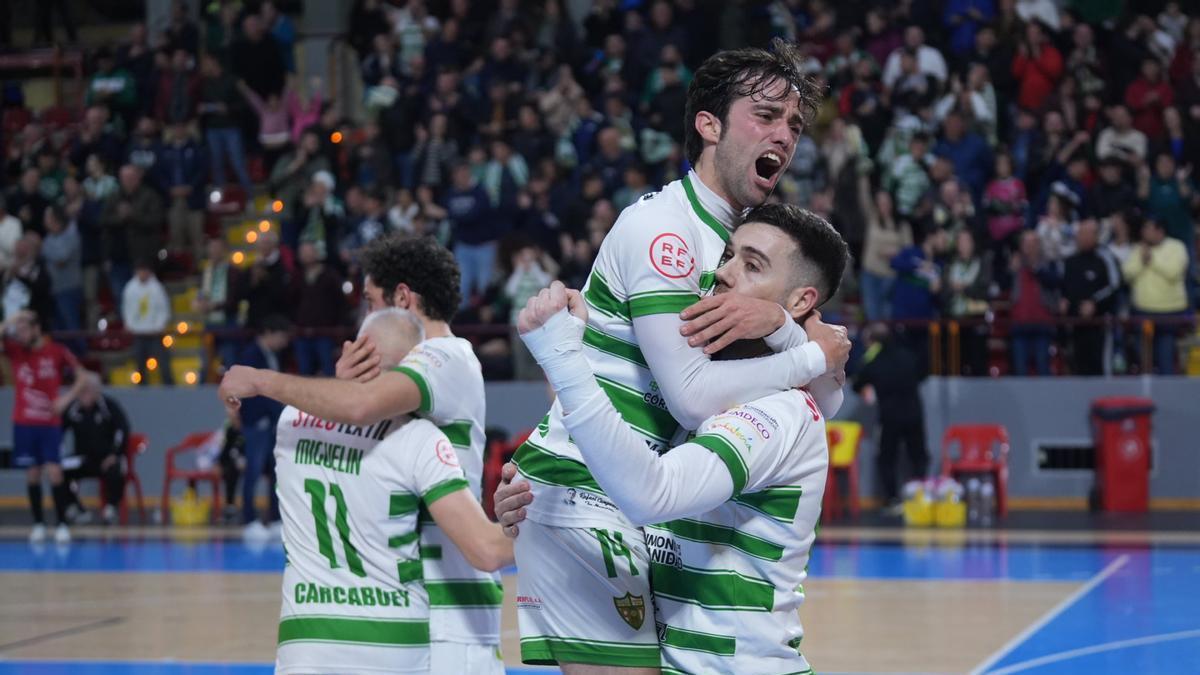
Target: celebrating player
{"type": "Point", "coordinates": [745, 112]}
{"type": "Point", "coordinates": [440, 380]}
{"type": "Point", "coordinates": [736, 507]}
{"type": "Point", "coordinates": [350, 496]}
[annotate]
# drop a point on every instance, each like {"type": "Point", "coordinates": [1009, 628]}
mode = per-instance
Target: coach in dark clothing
{"type": "Point", "coordinates": [259, 415]}
{"type": "Point", "coordinates": [101, 431]}
{"type": "Point", "coordinates": [891, 372]}
{"type": "Point", "coordinates": [1090, 281]}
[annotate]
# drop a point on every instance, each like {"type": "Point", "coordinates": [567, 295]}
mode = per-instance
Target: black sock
{"type": "Point", "coordinates": [62, 497]}
{"type": "Point", "coordinates": [35, 502]}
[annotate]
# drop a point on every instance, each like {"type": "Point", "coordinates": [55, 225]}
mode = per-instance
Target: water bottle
{"type": "Point", "coordinates": [987, 502]}
{"type": "Point", "coordinates": [972, 500]}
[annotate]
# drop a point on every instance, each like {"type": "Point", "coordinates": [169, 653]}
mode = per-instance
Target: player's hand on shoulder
{"type": "Point", "coordinates": [718, 321]}
{"type": "Point", "coordinates": [510, 500]}
{"type": "Point", "coordinates": [834, 341]}
{"type": "Point", "coordinates": [359, 361]}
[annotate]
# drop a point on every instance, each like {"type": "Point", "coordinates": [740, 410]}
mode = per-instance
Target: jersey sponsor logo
{"type": "Point", "coordinates": [569, 500]}
{"type": "Point", "coordinates": [734, 431]}
{"type": "Point", "coordinates": [670, 256]}
{"type": "Point", "coordinates": [750, 418]}
{"type": "Point", "coordinates": [664, 550]}
{"type": "Point", "coordinates": [375, 432]}
{"type": "Point", "coordinates": [632, 609]}
{"type": "Point", "coordinates": [529, 602]}
{"type": "Point", "coordinates": [446, 454]}
{"type": "Point", "coordinates": [591, 500]}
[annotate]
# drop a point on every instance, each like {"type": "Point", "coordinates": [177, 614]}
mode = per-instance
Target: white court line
{"type": "Point", "coordinates": [1096, 649]}
{"type": "Point", "coordinates": [1049, 616]}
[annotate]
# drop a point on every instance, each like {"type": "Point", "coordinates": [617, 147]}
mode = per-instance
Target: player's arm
{"type": "Point", "coordinates": [359, 403]}
{"type": "Point", "coordinates": [462, 519]}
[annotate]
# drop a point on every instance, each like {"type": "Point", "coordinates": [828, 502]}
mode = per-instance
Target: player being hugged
{"type": "Point", "coordinates": [729, 515]}
{"type": "Point", "coordinates": [584, 587]}
{"type": "Point", "coordinates": [351, 497]}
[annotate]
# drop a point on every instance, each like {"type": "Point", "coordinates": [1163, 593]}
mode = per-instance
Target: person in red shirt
{"type": "Point", "coordinates": [1037, 68]}
{"type": "Point", "coordinates": [39, 367]}
{"type": "Point", "coordinates": [1147, 98]}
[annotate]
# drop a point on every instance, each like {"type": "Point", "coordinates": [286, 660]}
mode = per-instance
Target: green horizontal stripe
{"type": "Point", "coordinates": [444, 488]}
{"type": "Point", "coordinates": [661, 303]}
{"type": "Point", "coordinates": [408, 571]}
{"type": "Point", "coordinates": [695, 641]}
{"type": "Point", "coordinates": [614, 346]}
{"type": "Point", "coordinates": [465, 593]}
{"type": "Point", "coordinates": [360, 631]}
{"type": "Point", "coordinates": [403, 539]}
{"type": "Point", "coordinates": [709, 533]}
{"type": "Point", "coordinates": [403, 503]}
{"type": "Point", "coordinates": [719, 590]}
{"type": "Point", "coordinates": [637, 413]}
{"type": "Point", "coordinates": [729, 455]}
{"type": "Point", "coordinates": [545, 651]}
{"type": "Point", "coordinates": [431, 552]}
{"type": "Point", "coordinates": [459, 433]}
{"type": "Point", "coordinates": [707, 281]}
{"type": "Point", "coordinates": [599, 296]}
{"type": "Point", "coordinates": [538, 463]}
{"type": "Point", "coordinates": [780, 503]}
{"type": "Point", "coordinates": [426, 393]}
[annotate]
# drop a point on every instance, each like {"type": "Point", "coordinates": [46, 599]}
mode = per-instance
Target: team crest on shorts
{"type": "Point", "coordinates": [632, 609]}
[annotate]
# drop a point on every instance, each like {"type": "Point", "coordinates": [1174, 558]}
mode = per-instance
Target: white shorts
{"type": "Point", "coordinates": [583, 596]}
{"type": "Point", "coordinates": [456, 658]}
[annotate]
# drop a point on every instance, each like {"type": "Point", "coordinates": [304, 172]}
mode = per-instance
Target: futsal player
{"type": "Point", "coordinates": [39, 367]}
{"type": "Point", "coordinates": [440, 380]}
{"type": "Point", "coordinates": [353, 499]}
{"type": "Point", "coordinates": [730, 515]}
{"type": "Point", "coordinates": [746, 109]}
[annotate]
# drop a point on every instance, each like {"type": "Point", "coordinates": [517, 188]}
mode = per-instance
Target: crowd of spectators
{"type": "Point", "coordinates": [1024, 167]}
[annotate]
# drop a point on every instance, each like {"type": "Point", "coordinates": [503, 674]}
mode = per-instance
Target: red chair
{"type": "Point", "coordinates": [212, 476]}
{"type": "Point", "coordinates": [845, 438]}
{"type": "Point", "coordinates": [981, 448]}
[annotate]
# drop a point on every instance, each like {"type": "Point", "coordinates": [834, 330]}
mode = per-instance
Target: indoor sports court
{"type": "Point", "coordinates": [1017, 601]}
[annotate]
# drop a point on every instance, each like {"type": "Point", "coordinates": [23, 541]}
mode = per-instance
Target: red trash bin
{"type": "Point", "coordinates": [1121, 429]}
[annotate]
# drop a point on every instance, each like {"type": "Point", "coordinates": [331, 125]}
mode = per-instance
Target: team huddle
{"type": "Point", "coordinates": [662, 512]}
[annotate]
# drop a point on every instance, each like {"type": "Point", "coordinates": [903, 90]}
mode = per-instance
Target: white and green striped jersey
{"type": "Point", "coordinates": [660, 257]}
{"type": "Point", "coordinates": [353, 599]}
{"type": "Point", "coordinates": [465, 601]}
{"type": "Point", "coordinates": [727, 583]}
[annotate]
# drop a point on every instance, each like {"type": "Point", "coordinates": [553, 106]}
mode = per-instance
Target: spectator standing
{"type": "Point", "coordinates": [890, 378]}
{"type": "Point", "coordinates": [112, 86]}
{"type": "Point", "coordinates": [1090, 281]}
{"type": "Point", "coordinates": [274, 125]}
{"type": "Point", "coordinates": [885, 238]}
{"type": "Point", "coordinates": [256, 59]}
{"type": "Point", "coordinates": [62, 251]}
{"type": "Point", "coordinates": [1036, 67]}
{"type": "Point", "coordinates": [257, 417]}
{"type": "Point", "coordinates": [1147, 97]}
{"type": "Point", "coordinates": [968, 151]}
{"type": "Point", "coordinates": [146, 311]}
{"type": "Point", "coordinates": [1034, 301]}
{"type": "Point", "coordinates": [182, 171]}
{"type": "Point", "coordinates": [968, 276]}
{"type": "Point", "coordinates": [213, 302]}
{"type": "Point", "coordinates": [10, 233]}
{"type": "Point", "coordinates": [263, 287]}
{"type": "Point", "coordinates": [929, 61]}
{"type": "Point", "coordinates": [280, 26]}
{"type": "Point", "coordinates": [964, 18]}
{"type": "Point", "coordinates": [467, 207]}
{"type": "Point", "coordinates": [26, 282]}
{"type": "Point", "coordinates": [218, 99]}
{"type": "Point", "coordinates": [317, 217]}
{"type": "Point", "coordinates": [528, 277]}
{"type": "Point", "coordinates": [907, 178]}
{"type": "Point", "coordinates": [1121, 140]}
{"type": "Point", "coordinates": [178, 91]}
{"type": "Point", "coordinates": [320, 305]}
{"type": "Point", "coordinates": [1170, 195]}
{"type": "Point", "coordinates": [1155, 273]}
{"type": "Point", "coordinates": [100, 429]}
{"type": "Point", "coordinates": [1004, 204]}
{"type": "Point", "coordinates": [1111, 192]}
{"type": "Point", "coordinates": [916, 290]}
{"type": "Point", "coordinates": [132, 222]}
{"type": "Point", "coordinates": [145, 147]}
{"type": "Point", "coordinates": [294, 171]}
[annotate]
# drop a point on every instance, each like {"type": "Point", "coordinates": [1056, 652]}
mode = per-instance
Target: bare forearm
{"type": "Point", "coordinates": [357, 403]}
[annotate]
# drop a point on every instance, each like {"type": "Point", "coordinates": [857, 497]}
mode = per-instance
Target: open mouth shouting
{"type": "Point", "coordinates": [767, 168]}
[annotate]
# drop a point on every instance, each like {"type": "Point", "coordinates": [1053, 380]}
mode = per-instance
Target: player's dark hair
{"type": "Point", "coordinates": [819, 246]}
{"type": "Point", "coordinates": [729, 75]}
{"type": "Point", "coordinates": [420, 263]}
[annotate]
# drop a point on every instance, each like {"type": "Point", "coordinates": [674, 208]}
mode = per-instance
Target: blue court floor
{"type": "Point", "coordinates": [1136, 610]}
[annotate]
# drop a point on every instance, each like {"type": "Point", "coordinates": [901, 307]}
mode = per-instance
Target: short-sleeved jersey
{"type": "Point", "coordinates": [38, 374]}
{"type": "Point", "coordinates": [660, 257]}
{"type": "Point", "coordinates": [353, 597]}
{"type": "Point", "coordinates": [727, 583]}
{"type": "Point", "coordinates": [465, 601]}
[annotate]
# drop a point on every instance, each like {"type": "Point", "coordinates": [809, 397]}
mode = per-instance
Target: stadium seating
{"type": "Point", "coordinates": [845, 439]}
